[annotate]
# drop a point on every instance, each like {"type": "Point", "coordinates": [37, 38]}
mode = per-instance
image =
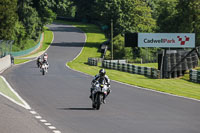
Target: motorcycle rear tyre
{"type": "Point", "coordinates": [43, 72]}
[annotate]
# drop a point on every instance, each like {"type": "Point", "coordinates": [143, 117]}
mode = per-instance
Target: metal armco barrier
{"type": "Point", "coordinates": [125, 67]}
{"type": "Point", "coordinates": [195, 76]}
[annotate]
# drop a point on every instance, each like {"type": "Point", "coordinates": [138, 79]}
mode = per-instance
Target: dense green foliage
{"type": "Point", "coordinates": [165, 16]}
{"type": "Point", "coordinates": [8, 18]}
{"type": "Point", "coordinates": [22, 20]}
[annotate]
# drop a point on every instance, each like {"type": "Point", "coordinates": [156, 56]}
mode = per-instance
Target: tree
{"type": "Point", "coordinates": [128, 15]}
{"type": "Point", "coordinates": [107, 10]}
{"type": "Point", "coordinates": [20, 34]}
{"type": "Point", "coordinates": [166, 13]}
{"type": "Point", "coordinates": [85, 9]}
{"type": "Point", "coordinates": [43, 7]}
{"type": "Point", "coordinates": [136, 16]}
{"type": "Point", "coordinates": [188, 17]}
{"type": "Point", "coordinates": [179, 16]}
{"type": "Point", "coordinates": [8, 19]}
{"type": "Point", "coordinates": [29, 17]}
{"type": "Point", "coordinates": [121, 52]}
{"type": "Point", "coordinates": [64, 8]}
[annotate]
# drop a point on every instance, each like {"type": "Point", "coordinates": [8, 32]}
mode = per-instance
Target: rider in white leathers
{"type": "Point", "coordinates": [101, 77]}
{"type": "Point", "coordinates": [45, 57]}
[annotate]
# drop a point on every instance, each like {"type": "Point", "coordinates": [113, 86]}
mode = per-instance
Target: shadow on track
{"type": "Point", "coordinates": [69, 44]}
{"type": "Point", "coordinates": [75, 108]}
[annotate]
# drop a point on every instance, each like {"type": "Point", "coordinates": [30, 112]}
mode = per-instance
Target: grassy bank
{"type": "Point", "coordinates": [95, 37]}
{"type": "Point", "coordinates": [19, 61]}
{"type": "Point", "coordinates": [48, 37]}
{"type": "Point", "coordinates": [29, 44]}
{"type": "Point", "coordinates": [4, 89]}
{"type": "Point", "coordinates": [152, 65]}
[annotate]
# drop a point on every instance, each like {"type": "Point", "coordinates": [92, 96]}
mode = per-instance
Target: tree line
{"type": "Point", "coordinates": [24, 19]}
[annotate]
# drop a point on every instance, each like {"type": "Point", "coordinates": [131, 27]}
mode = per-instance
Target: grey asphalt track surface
{"type": "Point", "coordinates": [62, 97]}
{"type": "Point", "coordinates": [15, 119]}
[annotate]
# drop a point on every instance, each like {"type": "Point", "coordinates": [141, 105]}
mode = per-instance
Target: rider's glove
{"type": "Point", "coordinates": [108, 84]}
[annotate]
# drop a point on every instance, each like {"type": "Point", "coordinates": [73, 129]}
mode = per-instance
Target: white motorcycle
{"type": "Point", "coordinates": [44, 68]}
{"type": "Point", "coordinates": [100, 91]}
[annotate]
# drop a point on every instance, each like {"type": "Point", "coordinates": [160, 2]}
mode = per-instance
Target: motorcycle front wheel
{"type": "Point", "coordinates": [99, 99]}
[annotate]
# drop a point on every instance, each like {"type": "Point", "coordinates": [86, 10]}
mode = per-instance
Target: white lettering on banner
{"type": "Point", "coordinates": [159, 41]}
{"type": "Point", "coordinates": [176, 40]}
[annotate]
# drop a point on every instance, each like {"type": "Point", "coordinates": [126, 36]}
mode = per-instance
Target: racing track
{"type": "Point", "coordinates": [62, 97]}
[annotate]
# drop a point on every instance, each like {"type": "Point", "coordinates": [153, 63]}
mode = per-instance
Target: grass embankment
{"type": "Point", "coordinates": [48, 37]}
{"type": "Point", "coordinates": [152, 65]}
{"type": "Point", "coordinates": [6, 91]}
{"type": "Point", "coordinates": [29, 44]}
{"type": "Point", "coordinates": [95, 37]}
{"type": "Point", "coordinates": [19, 61]}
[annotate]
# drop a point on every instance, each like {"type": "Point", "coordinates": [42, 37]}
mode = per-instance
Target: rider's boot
{"type": "Point", "coordinates": [104, 101]}
{"type": "Point", "coordinates": [91, 89]}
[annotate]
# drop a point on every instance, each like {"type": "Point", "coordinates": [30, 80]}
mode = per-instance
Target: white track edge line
{"type": "Point", "coordinates": [26, 106]}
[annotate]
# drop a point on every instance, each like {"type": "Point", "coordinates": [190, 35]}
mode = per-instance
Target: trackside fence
{"type": "Point", "coordinates": [125, 67]}
{"type": "Point", "coordinates": [93, 61]}
{"type": "Point", "coordinates": [195, 76]}
{"type": "Point", "coordinates": [28, 51]}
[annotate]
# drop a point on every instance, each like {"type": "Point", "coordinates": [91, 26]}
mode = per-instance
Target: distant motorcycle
{"type": "Point", "coordinates": [44, 68]}
{"type": "Point", "coordinates": [39, 62]}
{"type": "Point", "coordinates": [98, 94]}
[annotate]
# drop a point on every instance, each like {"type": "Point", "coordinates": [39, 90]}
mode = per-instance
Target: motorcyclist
{"type": "Point", "coordinates": [45, 62]}
{"type": "Point", "coordinates": [100, 78]}
{"type": "Point", "coordinates": [39, 61]}
{"type": "Point", "coordinates": [45, 57]}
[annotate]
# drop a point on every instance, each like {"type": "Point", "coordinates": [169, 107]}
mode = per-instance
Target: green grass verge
{"type": "Point", "coordinates": [152, 65]}
{"type": "Point", "coordinates": [95, 37]}
{"type": "Point", "coordinates": [48, 37]}
{"type": "Point", "coordinates": [29, 44]}
{"type": "Point", "coordinates": [19, 61]}
{"type": "Point", "coordinates": [6, 91]}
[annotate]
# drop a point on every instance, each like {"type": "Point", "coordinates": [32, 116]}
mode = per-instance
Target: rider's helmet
{"type": "Point", "coordinates": [45, 56]}
{"type": "Point", "coordinates": [39, 58]}
{"type": "Point", "coordinates": [102, 72]}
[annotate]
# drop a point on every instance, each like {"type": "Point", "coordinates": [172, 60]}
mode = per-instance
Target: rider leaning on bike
{"type": "Point", "coordinates": [101, 77]}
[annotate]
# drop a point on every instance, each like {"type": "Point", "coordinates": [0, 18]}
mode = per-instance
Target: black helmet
{"type": "Point", "coordinates": [102, 72]}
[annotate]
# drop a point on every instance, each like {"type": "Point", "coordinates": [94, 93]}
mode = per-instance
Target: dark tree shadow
{"type": "Point", "coordinates": [68, 44]}
{"type": "Point", "coordinates": [75, 108]}
{"type": "Point", "coordinates": [75, 44]}
{"type": "Point", "coordinates": [65, 29]}
{"type": "Point", "coordinates": [68, 28]}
